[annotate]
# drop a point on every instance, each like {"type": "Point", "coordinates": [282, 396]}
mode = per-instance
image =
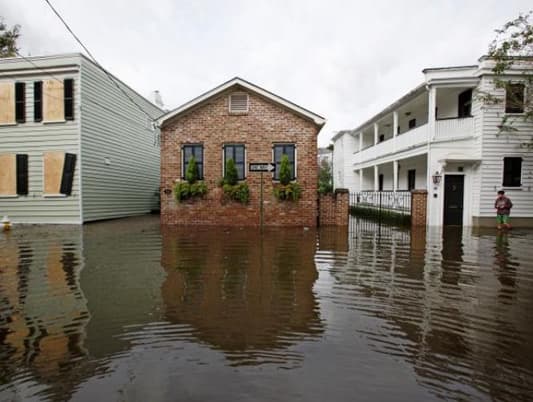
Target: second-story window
{"type": "Point", "coordinates": [20, 102]}
{"type": "Point", "coordinates": [512, 172]}
{"type": "Point", "coordinates": [465, 104]}
{"type": "Point", "coordinates": [290, 151]}
{"type": "Point", "coordinates": [235, 152]}
{"type": "Point", "coordinates": [412, 123]}
{"type": "Point", "coordinates": [514, 98]}
{"type": "Point", "coordinates": [58, 100]}
{"type": "Point", "coordinates": [196, 151]}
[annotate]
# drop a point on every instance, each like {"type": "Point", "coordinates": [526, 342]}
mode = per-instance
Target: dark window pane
{"type": "Point", "coordinates": [465, 103]}
{"type": "Point", "coordinates": [197, 151]}
{"type": "Point", "coordinates": [512, 172]}
{"type": "Point", "coordinates": [22, 174]}
{"type": "Point", "coordinates": [514, 98]}
{"type": "Point", "coordinates": [412, 123]}
{"type": "Point", "coordinates": [38, 101]}
{"type": "Point", "coordinates": [235, 152]}
{"type": "Point", "coordinates": [279, 151]}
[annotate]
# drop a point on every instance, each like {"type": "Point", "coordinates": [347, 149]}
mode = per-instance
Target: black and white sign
{"type": "Point", "coordinates": [261, 167]}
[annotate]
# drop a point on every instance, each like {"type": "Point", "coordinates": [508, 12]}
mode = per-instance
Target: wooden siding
{"type": "Point", "coordinates": [119, 151]}
{"type": "Point", "coordinates": [494, 148]}
{"type": "Point", "coordinates": [35, 139]}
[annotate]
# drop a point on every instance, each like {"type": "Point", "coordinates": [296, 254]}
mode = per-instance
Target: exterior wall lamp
{"type": "Point", "coordinates": [436, 178]}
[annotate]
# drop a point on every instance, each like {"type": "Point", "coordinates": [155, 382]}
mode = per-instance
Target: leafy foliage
{"type": "Point", "coordinates": [512, 46]}
{"type": "Point", "coordinates": [238, 192]}
{"type": "Point", "coordinates": [185, 190]}
{"type": "Point", "coordinates": [288, 192]}
{"type": "Point", "coordinates": [285, 170]}
{"type": "Point", "coordinates": [231, 175]}
{"type": "Point", "coordinates": [325, 178]}
{"type": "Point", "coordinates": [8, 39]}
{"type": "Point", "coordinates": [191, 174]}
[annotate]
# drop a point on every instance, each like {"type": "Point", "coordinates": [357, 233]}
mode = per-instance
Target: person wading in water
{"type": "Point", "coordinates": [503, 207]}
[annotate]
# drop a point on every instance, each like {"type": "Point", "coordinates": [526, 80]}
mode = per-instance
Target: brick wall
{"type": "Point", "coordinates": [265, 124]}
{"type": "Point", "coordinates": [419, 199]}
{"type": "Point", "coordinates": [334, 208]}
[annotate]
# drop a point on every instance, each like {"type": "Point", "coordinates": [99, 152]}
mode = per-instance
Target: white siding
{"type": "Point", "coordinates": [120, 152]}
{"type": "Point", "coordinates": [34, 139]}
{"type": "Point", "coordinates": [494, 148]}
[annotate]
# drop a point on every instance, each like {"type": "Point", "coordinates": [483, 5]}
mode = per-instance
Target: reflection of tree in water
{"type": "Point", "coordinates": [253, 294]}
{"type": "Point", "coordinates": [442, 313]}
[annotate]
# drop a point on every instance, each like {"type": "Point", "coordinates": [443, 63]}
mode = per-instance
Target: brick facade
{"type": "Point", "coordinates": [334, 208]}
{"type": "Point", "coordinates": [265, 124]}
{"type": "Point", "coordinates": [419, 200]}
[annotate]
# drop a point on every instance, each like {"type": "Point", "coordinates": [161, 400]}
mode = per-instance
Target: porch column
{"type": "Point", "coordinates": [361, 180]}
{"type": "Point", "coordinates": [376, 178]}
{"type": "Point", "coordinates": [376, 133]}
{"type": "Point", "coordinates": [395, 175]}
{"type": "Point", "coordinates": [394, 123]}
{"type": "Point", "coordinates": [432, 105]}
{"type": "Point", "coordinates": [360, 141]}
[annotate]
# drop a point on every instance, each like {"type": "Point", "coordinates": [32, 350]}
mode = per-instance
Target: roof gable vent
{"type": "Point", "coordinates": [238, 102]}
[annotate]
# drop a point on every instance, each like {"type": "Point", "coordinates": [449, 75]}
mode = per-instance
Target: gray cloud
{"type": "Point", "coordinates": [345, 60]}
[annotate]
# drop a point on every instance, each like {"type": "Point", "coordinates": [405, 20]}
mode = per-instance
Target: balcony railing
{"type": "Point", "coordinates": [453, 128]}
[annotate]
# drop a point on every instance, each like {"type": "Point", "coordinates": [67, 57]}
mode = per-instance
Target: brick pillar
{"type": "Point", "coordinates": [419, 200]}
{"type": "Point", "coordinates": [334, 208]}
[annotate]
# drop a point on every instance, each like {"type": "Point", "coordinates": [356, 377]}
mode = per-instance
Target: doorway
{"type": "Point", "coordinates": [453, 199]}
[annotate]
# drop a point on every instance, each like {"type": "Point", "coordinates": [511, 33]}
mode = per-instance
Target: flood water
{"type": "Point", "coordinates": [128, 311]}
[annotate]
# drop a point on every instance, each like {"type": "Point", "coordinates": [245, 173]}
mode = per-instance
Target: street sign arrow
{"type": "Point", "coordinates": [261, 167]}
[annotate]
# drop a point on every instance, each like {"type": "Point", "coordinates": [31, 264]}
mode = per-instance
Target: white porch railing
{"type": "Point", "coordinates": [411, 138]}
{"type": "Point", "coordinates": [453, 128]}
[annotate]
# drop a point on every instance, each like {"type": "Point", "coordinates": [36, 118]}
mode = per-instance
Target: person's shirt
{"type": "Point", "coordinates": [503, 205]}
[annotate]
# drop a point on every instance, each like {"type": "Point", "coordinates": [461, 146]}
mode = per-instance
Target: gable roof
{"type": "Point", "coordinates": [315, 118]}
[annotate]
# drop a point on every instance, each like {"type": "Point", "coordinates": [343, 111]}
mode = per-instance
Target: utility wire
{"type": "Point", "coordinates": [96, 62]}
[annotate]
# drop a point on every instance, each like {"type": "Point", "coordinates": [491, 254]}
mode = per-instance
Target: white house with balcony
{"type": "Point", "coordinates": [444, 138]}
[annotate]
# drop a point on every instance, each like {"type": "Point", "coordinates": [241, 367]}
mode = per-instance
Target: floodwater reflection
{"type": "Point", "coordinates": [129, 310]}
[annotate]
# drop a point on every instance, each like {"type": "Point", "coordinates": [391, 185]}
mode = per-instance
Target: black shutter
{"type": "Point", "coordinates": [68, 88]}
{"type": "Point", "coordinates": [22, 174]}
{"type": "Point", "coordinates": [68, 174]}
{"type": "Point", "coordinates": [38, 101]}
{"type": "Point", "coordinates": [20, 102]}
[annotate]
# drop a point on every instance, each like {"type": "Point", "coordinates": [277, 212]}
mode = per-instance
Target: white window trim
{"type": "Point", "coordinates": [224, 158]}
{"type": "Point", "coordinates": [524, 104]}
{"type": "Point", "coordinates": [521, 173]}
{"type": "Point", "coordinates": [295, 160]}
{"type": "Point", "coordinates": [182, 156]}
{"type": "Point", "coordinates": [239, 111]}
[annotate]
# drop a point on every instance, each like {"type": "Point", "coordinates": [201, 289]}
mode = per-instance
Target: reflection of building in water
{"type": "Point", "coordinates": [456, 308]}
{"type": "Point", "coordinates": [43, 312]}
{"type": "Point", "coordinates": [242, 293]}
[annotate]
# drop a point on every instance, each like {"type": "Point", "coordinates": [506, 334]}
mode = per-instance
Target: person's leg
{"type": "Point", "coordinates": [499, 221]}
{"type": "Point", "coordinates": [506, 223]}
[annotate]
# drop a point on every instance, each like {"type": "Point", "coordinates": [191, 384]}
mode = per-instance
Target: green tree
{"type": "Point", "coordinates": [325, 178]}
{"type": "Point", "coordinates": [231, 175]}
{"type": "Point", "coordinates": [8, 39]}
{"type": "Point", "coordinates": [285, 170]}
{"type": "Point", "coordinates": [191, 175]}
{"type": "Point", "coordinates": [512, 47]}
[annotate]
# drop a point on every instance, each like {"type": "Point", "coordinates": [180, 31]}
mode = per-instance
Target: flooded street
{"type": "Point", "coordinates": [128, 311]}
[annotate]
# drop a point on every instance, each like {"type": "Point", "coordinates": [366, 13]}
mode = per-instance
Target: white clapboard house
{"type": "Point", "coordinates": [444, 138]}
{"type": "Point", "coordinates": [76, 144]}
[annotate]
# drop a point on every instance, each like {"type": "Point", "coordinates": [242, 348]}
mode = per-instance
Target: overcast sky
{"type": "Point", "coordinates": [345, 60]}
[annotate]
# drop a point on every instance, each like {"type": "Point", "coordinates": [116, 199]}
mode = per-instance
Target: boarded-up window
{"type": "Point", "coordinates": [7, 103]}
{"type": "Point", "coordinates": [8, 174]}
{"type": "Point", "coordinates": [53, 105]}
{"type": "Point", "coordinates": [58, 173]}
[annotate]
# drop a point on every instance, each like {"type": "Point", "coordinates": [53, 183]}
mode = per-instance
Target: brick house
{"type": "Point", "coordinates": [248, 124]}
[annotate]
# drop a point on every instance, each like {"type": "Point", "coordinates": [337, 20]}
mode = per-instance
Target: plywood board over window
{"type": "Point", "coordinates": [53, 102]}
{"type": "Point", "coordinates": [53, 172]}
{"type": "Point", "coordinates": [7, 103]}
{"type": "Point", "coordinates": [8, 174]}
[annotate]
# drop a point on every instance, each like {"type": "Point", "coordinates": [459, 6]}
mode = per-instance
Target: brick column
{"type": "Point", "coordinates": [419, 200]}
{"type": "Point", "coordinates": [334, 208]}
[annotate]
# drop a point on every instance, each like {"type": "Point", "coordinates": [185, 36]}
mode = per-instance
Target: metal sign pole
{"type": "Point", "coordinates": [261, 202]}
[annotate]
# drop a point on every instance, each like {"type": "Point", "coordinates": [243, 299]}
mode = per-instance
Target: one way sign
{"type": "Point", "coordinates": [261, 167]}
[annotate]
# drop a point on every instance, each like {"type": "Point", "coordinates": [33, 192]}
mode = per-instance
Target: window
{"type": "Point", "coordinates": [411, 179]}
{"type": "Point", "coordinates": [512, 172]}
{"type": "Point", "coordinates": [188, 151]}
{"type": "Point", "coordinates": [382, 138]}
{"type": "Point", "coordinates": [58, 173]}
{"type": "Point", "coordinates": [235, 152]}
{"type": "Point", "coordinates": [20, 102]}
{"type": "Point", "coordinates": [514, 98]}
{"type": "Point", "coordinates": [465, 104]}
{"type": "Point", "coordinates": [22, 174]}
{"type": "Point", "coordinates": [238, 103]}
{"type": "Point", "coordinates": [290, 151]}
{"type": "Point", "coordinates": [68, 97]}
{"type": "Point", "coordinates": [412, 123]}
{"type": "Point", "coordinates": [38, 101]}
{"type": "Point", "coordinates": [14, 177]}
{"type": "Point", "coordinates": [7, 103]}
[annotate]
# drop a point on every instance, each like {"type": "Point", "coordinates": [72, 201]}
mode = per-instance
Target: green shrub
{"type": "Point", "coordinates": [184, 190]}
{"type": "Point", "coordinates": [231, 175]}
{"type": "Point", "coordinates": [191, 174]}
{"type": "Point", "coordinates": [285, 170]}
{"type": "Point", "coordinates": [288, 192]}
{"type": "Point", "coordinates": [325, 178]}
{"type": "Point", "coordinates": [238, 192]}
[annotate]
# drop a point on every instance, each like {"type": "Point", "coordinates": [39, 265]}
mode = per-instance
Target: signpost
{"type": "Point", "coordinates": [261, 168]}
